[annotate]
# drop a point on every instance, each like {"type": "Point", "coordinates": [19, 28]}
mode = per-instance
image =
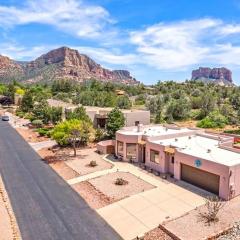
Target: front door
{"type": "Point", "coordinates": [144, 154]}
{"type": "Point", "coordinates": [170, 163]}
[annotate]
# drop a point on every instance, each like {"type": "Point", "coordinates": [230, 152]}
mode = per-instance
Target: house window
{"type": "Point", "coordinates": [119, 148]}
{"type": "Point", "coordinates": [137, 123]}
{"type": "Point", "coordinates": [154, 156]}
{"type": "Point", "coordinates": [173, 160]}
{"type": "Point", "coordinates": [131, 150]}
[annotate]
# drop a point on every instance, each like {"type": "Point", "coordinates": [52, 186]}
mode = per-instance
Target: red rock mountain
{"type": "Point", "coordinates": [222, 76]}
{"type": "Point", "coordinates": [9, 69]}
{"type": "Point", "coordinates": [65, 63]}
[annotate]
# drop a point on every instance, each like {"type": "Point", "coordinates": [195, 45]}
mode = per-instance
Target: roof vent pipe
{"type": "Point", "coordinates": [139, 127]}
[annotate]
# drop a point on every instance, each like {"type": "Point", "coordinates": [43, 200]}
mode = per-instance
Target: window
{"type": "Point", "coordinates": [154, 156]}
{"type": "Point", "coordinates": [172, 159]}
{"type": "Point", "coordinates": [119, 148]}
{"type": "Point", "coordinates": [137, 123]}
{"type": "Point", "coordinates": [131, 150]}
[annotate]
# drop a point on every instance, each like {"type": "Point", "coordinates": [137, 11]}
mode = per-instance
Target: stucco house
{"type": "Point", "coordinates": [208, 161]}
{"type": "Point", "coordinates": [99, 115]}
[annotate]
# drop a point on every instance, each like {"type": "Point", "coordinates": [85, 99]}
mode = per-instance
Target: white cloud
{"type": "Point", "coordinates": [17, 52]}
{"type": "Point", "coordinates": [112, 56]}
{"type": "Point", "coordinates": [180, 45]}
{"type": "Point", "coordinates": [70, 16]}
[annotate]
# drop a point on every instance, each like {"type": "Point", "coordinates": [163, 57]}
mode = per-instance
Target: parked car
{"type": "Point", "coordinates": [5, 118]}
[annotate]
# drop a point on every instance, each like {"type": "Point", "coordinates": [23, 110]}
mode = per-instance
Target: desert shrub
{"type": "Point", "coordinates": [213, 120]}
{"type": "Point", "coordinates": [37, 123]}
{"type": "Point", "coordinates": [99, 135]}
{"type": "Point", "coordinates": [121, 181]}
{"type": "Point", "coordinates": [93, 164]}
{"type": "Point", "coordinates": [213, 206]}
{"type": "Point", "coordinates": [237, 131]}
{"type": "Point", "coordinates": [20, 113]}
{"type": "Point", "coordinates": [44, 132]}
{"type": "Point", "coordinates": [29, 116]}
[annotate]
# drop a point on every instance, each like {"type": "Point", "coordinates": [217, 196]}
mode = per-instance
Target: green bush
{"type": "Point", "coordinates": [44, 132]}
{"type": "Point", "coordinates": [99, 135]}
{"type": "Point", "coordinates": [237, 131]}
{"type": "Point", "coordinates": [37, 123]}
{"type": "Point", "coordinates": [20, 114]}
{"type": "Point", "coordinates": [213, 120]}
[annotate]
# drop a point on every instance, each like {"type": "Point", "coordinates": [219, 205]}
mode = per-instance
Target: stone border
{"type": "Point", "coordinates": [16, 235]}
{"type": "Point", "coordinates": [221, 233]}
{"type": "Point", "coordinates": [173, 236]}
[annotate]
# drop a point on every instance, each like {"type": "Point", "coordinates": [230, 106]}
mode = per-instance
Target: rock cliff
{"type": "Point", "coordinates": [222, 76]}
{"type": "Point", "coordinates": [65, 63]}
{"type": "Point", "coordinates": [10, 70]}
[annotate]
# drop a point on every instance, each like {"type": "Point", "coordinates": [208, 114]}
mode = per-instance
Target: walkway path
{"type": "Point", "coordinates": [140, 213]}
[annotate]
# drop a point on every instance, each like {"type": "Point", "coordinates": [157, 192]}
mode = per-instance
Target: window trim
{"type": "Point", "coordinates": [155, 153]}
{"type": "Point", "coordinates": [129, 156]}
{"type": "Point", "coordinates": [120, 152]}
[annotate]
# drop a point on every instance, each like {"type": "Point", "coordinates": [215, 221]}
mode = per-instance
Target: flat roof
{"type": "Point", "coordinates": [198, 146]}
{"type": "Point", "coordinates": [153, 130]}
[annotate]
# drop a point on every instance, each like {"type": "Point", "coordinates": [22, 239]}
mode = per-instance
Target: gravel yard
{"type": "Point", "coordinates": [64, 170]}
{"type": "Point", "coordinates": [157, 234]}
{"type": "Point", "coordinates": [106, 185]}
{"type": "Point", "coordinates": [93, 197]}
{"type": "Point", "coordinates": [234, 234]}
{"type": "Point", "coordinates": [191, 227]}
{"type": "Point", "coordinates": [59, 166]}
{"type": "Point", "coordinates": [80, 163]}
{"type": "Point", "coordinates": [30, 135]}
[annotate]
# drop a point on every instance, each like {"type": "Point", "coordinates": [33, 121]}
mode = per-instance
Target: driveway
{"type": "Point", "coordinates": [45, 206]}
{"type": "Point", "coordinates": [138, 214]}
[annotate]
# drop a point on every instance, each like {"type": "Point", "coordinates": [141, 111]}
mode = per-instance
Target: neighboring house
{"type": "Point", "coordinates": [99, 115]}
{"type": "Point", "coordinates": [208, 161]}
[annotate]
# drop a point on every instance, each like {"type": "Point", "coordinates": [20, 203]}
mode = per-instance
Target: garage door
{"type": "Point", "coordinates": [200, 178]}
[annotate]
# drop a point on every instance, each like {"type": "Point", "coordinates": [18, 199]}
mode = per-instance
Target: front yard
{"type": "Point", "coordinates": [107, 185]}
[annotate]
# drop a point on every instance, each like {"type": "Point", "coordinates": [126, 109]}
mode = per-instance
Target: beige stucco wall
{"type": "Point", "coordinates": [142, 116]}
{"type": "Point", "coordinates": [102, 146]}
{"type": "Point", "coordinates": [161, 167]}
{"type": "Point", "coordinates": [127, 139]}
{"type": "Point", "coordinates": [234, 180]}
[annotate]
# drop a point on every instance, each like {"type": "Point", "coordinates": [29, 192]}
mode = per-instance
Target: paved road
{"type": "Point", "coordinates": [46, 208]}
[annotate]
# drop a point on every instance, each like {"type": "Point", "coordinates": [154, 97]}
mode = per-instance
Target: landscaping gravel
{"type": "Point", "coordinates": [157, 234]}
{"type": "Point", "coordinates": [106, 185]}
{"type": "Point", "coordinates": [191, 227]}
{"type": "Point", "coordinates": [92, 196]}
{"type": "Point", "coordinates": [80, 163]}
{"type": "Point", "coordinates": [234, 233]}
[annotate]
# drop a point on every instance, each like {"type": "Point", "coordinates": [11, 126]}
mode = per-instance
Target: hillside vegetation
{"type": "Point", "coordinates": [212, 106]}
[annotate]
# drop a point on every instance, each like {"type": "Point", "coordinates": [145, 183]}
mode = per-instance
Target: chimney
{"type": "Point", "coordinates": [139, 127]}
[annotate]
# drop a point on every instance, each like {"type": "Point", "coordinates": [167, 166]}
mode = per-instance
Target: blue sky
{"type": "Point", "coordinates": [154, 39]}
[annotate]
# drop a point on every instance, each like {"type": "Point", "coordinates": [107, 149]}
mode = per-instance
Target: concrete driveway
{"type": "Point", "coordinates": [136, 215]}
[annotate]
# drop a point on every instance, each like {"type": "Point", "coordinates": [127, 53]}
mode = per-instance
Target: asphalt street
{"type": "Point", "coordinates": [46, 207]}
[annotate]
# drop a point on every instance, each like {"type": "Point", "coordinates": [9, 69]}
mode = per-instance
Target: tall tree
{"type": "Point", "coordinates": [115, 121]}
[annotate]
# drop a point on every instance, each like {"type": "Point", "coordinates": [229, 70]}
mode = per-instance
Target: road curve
{"type": "Point", "coordinates": [46, 208]}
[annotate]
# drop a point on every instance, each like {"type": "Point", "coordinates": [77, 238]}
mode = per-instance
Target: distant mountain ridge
{"type": "Point", "coordinates": [61, 63]}
{"type": "Point", "coordinates": [221, 76]}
